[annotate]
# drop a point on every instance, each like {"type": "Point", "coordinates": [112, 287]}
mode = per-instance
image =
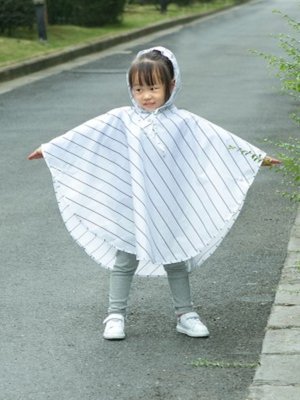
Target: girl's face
{"type": "Point", "coordinates": [148, 97]}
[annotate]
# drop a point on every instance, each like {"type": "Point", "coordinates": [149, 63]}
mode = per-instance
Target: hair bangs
{"type": "Point", "coordinates": [147, 73]}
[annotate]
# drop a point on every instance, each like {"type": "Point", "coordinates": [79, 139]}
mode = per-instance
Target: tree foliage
{"type": "Point", "coordinates": [15, 14]}
{"type": "Point", "coordinates": [85, 12]}
{"type": "Point", "coordinates": [288, 65]}
{"type": "Point", "coordinates": [288, 71]}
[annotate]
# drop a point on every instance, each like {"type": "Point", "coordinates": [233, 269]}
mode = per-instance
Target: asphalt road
{"type": "Point", "coordinates": [53, 297]}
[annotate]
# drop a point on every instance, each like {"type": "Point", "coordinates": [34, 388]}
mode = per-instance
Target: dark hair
{"type": "Point", "coordinates": [150, 68]}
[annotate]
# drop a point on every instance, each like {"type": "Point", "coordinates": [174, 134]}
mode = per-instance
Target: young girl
{"type": "Point", "coordinates": [150, 189]}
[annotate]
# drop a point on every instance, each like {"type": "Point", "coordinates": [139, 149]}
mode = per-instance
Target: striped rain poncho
{"type": "Point", "coordinates": [166, 186]}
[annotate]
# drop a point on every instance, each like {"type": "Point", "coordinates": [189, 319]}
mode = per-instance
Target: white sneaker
{"type": "Point", "coordinates": [114, 327]}
{"type": "Point", "coordinates": [190, 325]}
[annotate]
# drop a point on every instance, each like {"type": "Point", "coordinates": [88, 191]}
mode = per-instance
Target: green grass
{"type": "Point", "coordinates": [24, 45]}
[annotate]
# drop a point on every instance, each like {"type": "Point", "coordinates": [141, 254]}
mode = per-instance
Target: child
{"type": "Point", "coordinates": [150, 189]}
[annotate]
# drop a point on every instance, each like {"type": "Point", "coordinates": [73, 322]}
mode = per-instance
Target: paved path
{"type": "Point", "coordinates": [53, 298]}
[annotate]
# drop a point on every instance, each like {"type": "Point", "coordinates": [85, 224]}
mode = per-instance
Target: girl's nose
{"type": "Point", "coordinates": [147, 94]}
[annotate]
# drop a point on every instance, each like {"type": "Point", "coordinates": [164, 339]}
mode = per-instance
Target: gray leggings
{"type": "Point", "coordinates": [121, 278]}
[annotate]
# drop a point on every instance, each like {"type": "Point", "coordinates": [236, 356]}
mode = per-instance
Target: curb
{"type": "Point", "coordinates": [39, 63]}
{"type": "Point", "coordinates": [277, 377]}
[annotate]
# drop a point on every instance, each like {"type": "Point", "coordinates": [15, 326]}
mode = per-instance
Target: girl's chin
{"type": "Point", "coordinates": [149, 108]}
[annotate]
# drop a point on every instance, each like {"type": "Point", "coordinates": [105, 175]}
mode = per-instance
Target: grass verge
{"type": "Point", "coordinates": [24, 45]}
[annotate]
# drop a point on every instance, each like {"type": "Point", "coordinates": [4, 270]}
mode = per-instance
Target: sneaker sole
{"type": "Point", "coordinates": [117, 337]}
{"type": "Point", "coordinates": [185, 332]}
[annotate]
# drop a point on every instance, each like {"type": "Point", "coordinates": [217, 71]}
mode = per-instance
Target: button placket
{"type": "Point", "coordinates": [149, 127]}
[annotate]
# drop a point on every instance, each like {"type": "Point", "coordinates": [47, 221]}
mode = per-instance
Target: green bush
{"type": "Point", "coordinates": [290, 158]}
{"type": "Point", "coordinates": [15, 14]}
{"type": "Point", "coordinates": [60, 11]}
{"type": "Point", "coordinates": [288, 71]}
{"type": "Point", "coordinates": [288, 65]}
{"type": "Point", "coordinates": [184, 3]}
{"type": "Point", "coordinates": [178, 2]}
{"type": "Point", "coordinates": [85, 12]}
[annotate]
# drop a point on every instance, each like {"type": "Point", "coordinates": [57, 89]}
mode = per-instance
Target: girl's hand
{"type": "Point", "coordinates": [36, 154]}
{"type": "Point", "coordinates": [269, 161]}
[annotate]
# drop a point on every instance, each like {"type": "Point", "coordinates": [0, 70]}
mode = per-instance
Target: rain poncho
{"type": "Point", "coordinates": [164, 185]}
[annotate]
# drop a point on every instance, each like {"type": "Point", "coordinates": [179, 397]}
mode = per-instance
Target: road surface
{"type": "Point", "coordinates": [54, 298]}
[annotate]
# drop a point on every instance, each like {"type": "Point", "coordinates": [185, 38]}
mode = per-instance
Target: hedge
{"type": "Point", "coordinates": [15, 14]}
{"type": "Point", "coordinates": [85, 12]}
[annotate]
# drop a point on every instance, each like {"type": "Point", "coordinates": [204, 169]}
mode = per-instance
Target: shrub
{"type": "Point", "coordinates": [85, 12]}
{"type": "Point", "coordinates": [15, 14]}
{"type": "Point", "coordinates": [288, 71]}
{"type": "Point", "coordinates": [290, 157]}
{"type": "Point", "coordinates": [288, 65]}
{"type": "Point", "coordinates": [60, 11]}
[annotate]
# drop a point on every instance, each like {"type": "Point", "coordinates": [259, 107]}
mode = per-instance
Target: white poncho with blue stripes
{"type": "Point", "coordinates": [166, 186]}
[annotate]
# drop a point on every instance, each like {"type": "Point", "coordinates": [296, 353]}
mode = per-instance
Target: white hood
{"type": "Point", "coordinates": [167, 53]}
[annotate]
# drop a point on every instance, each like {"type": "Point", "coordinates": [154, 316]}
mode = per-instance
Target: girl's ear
{"type": "Point", "coordinates": [172, 85]}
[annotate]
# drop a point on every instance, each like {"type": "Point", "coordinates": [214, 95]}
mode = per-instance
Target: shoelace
{"type": "Point", "coordinates": [116, 321]}
{"type": "Point", "coordinates": [194, 319]}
